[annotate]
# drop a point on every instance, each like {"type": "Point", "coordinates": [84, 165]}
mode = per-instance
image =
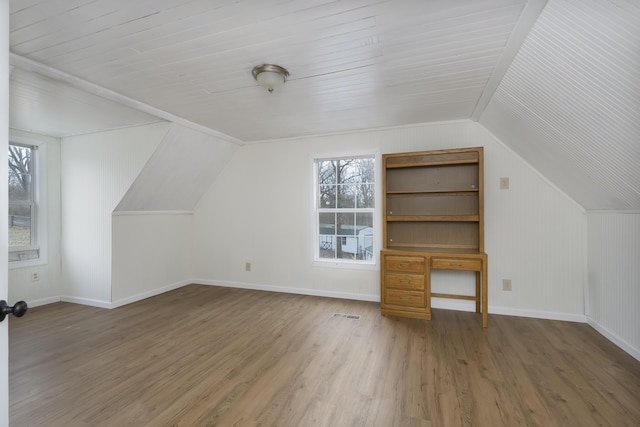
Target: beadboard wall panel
{"type": "Point", "coordinates": [97, 170]}
{"type": "Point", "coordinates": [614, 277]}
{"type": "Point", "coordinates": [570, 101]}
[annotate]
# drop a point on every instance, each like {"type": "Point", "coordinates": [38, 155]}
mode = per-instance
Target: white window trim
{"type": "Point", "coordinates": [40, 196]}
{"type": "Point", "coordinates": [377, 217]}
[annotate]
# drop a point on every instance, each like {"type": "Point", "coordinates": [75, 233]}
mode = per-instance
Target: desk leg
{"type": "Point", "coordinates": [427, 288]}
{"type": "Point", "coordinates": [485, 291]}
{"type": "Point", "coordinates": [478, 294]}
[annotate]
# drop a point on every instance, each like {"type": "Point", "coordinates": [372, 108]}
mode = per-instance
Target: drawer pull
{"type": "Point", "coordinates": [453, 264]}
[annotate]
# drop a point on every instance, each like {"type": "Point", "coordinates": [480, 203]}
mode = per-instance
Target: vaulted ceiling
{"type": "Point", "coordinates": [559, 82]}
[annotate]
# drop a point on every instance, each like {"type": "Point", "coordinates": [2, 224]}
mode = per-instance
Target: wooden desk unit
{"type": "Point", "coordinates": [406, 281]}
{"type": "Point", "coordinates": [433, 220]}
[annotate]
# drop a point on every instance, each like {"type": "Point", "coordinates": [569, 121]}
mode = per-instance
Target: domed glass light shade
{"type": "Point", "coordinates": [270, 76]}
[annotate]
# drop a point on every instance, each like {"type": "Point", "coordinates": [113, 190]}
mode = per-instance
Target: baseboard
{"type": "Point", "coordinates": [289, 290]}
{"type": "Point", "coordinates": [445, 304]}
{"type": "Point", "coordinates": [86, 301]}
{"type": "Point", "coordinates": [43, 301]}
{"type": "Point", "coordinates": [550, 315]}
{"type": "Point", "coordinates": [448, 304]}
{"type": "Point", "coordinates": [123, 301]}
{"type": "Point", "coordinates": [149, 294]}
{"type": "Point", "coordinates": [634, 352]}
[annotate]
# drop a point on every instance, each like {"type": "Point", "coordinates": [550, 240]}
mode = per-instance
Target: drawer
{"type": "Point", "coordinates": [405, 281]}
{"type": "Point", "coordinates": [456, 264]}
{"type": "Point", "coordinates": [408, 264]}
{"type": "Point", "coordinates": [404, 298]}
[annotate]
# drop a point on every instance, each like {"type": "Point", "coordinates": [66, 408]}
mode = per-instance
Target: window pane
{"type": "Point", "coordinates": [327, 246]}
{"type": "Point", "coordinates": [19, 225]}
{"type": "Point", "coordinates": [327, 196]}
{"type": "Point", "coordinates": [364, 220]}
{"type": "Point", "coordinates": [364, 225]}
{"type": "Point", "coordinates": [346, 196]}
{"type": "Point", "coordinates": [327, 222]}
{"type": "Point", "coordinates": [367, 170]}
{"type": "Point", "coordinates": [327, 238]}
{"type": "Point", "coordinates": [326, 172]}
{"type": "Point", "coordinates": [348, 171]}
{"type": "Point", "coordinates": [20, 187]}
{"type": "Point", "coordinates": [20, 170]}
{"type": "Point", "coordinates": [346, 224]}
{"type": "Point", "coordinates": [366, 196]}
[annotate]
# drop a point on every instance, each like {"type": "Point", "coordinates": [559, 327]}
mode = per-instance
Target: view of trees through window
{"type": "Point", "coordinates": [21, 200]}
{"type": "Point", "coordinates": [345, 206]}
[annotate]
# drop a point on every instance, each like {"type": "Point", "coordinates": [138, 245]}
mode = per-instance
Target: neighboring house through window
{"type": "Point", "coordinates": [23, 209]}
{"type": "Point", "coordinates": [345, 203]}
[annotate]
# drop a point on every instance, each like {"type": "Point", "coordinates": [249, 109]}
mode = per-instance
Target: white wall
{"type": "Point", "coordinates": [47, 288]}
{"type": "Point", "coordinates": [97, 170]}
{"type": "Point", "coordinates": [614, 277]}
{"type": "Point", "coordinates": [151, 254]}
{"type": "Point", "coordinates": [260, 210]}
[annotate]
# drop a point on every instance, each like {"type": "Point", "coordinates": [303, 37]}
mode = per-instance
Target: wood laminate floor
{"type": "Point", "coordinates": [211, 356]}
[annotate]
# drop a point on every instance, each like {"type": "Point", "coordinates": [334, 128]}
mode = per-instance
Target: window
{"type": "Point", "coordinates": [345, 202]}
{"type": "Point", "coordinates": [23, 243]}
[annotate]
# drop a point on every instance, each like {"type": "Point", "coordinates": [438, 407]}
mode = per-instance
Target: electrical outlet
{"type": "Point", "coordinates": [504, 183]}
{"type": "Point", "coordinates": [35, 276]}
{"type": "Point", "coordinates": [247, 266]}
{"type": "Point", "coordinates": [506, 284]}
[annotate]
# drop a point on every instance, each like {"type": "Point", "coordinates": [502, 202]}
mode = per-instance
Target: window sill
{"type": "Point", "coordinates": [345, 264]}
{"type": "Point", "coordinates": [26, 264]}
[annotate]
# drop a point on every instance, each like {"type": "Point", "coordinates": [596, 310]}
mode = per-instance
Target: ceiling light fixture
{"type": "Point", "coordinates": [270, 76]}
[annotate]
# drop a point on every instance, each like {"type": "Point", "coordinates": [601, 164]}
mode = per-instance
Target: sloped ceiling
{"type": "Point", "coordinates": [178, 173]}
{"type": "Point", "coordinates": [558, 82]}
{"type": "Point", "coordinates": [43, 105]}
{"type": "Point", "coordinates": [570, 102]}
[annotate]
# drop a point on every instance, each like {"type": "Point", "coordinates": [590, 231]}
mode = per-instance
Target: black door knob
{"type": "Point", "coordinates": [18, 310]}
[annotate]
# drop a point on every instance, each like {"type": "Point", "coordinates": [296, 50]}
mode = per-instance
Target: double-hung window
{"type": "Point", "coordinates": [23, 210]}
{"type": "Point", "coordinates": [344, 205]}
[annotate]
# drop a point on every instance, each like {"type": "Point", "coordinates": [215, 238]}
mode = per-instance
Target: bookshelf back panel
{"type": "Point", "coordinates": [433, 204]}
{"type": "Point", "coordinates": [445, 178]}
{"type": "Point", "coordinates": [426, 234]}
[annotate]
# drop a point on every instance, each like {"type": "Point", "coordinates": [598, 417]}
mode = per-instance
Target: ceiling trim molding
{"type": "Point", "coordinates": [24, 63]}
{"type": "Point", "coordinates": [530, 14]}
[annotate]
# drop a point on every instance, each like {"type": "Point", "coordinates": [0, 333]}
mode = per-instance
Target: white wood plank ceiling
{"type": "Point", "coordinates": [558, 82]}
{"type": "Point", "coordinates": [354, 64]}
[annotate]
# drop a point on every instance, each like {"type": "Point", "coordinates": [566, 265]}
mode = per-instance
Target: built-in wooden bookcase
{"type": "Point", "coordinates": [433, 208]}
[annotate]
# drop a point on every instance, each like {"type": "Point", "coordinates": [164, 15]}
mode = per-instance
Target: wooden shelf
{"type": "Point", "coordinates": [462, 192]}
{"type": "Point", "coordinates": [433, 163]}
{"type": "Point", "coordinates": [417, 218]}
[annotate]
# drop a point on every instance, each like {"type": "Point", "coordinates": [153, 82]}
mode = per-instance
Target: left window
{"type": "Point", "coordinates": [23, 207]}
